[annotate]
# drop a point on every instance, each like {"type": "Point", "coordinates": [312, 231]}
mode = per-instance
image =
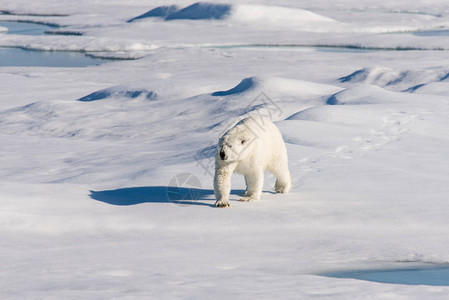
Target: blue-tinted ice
{"type": "Point", "coordinates": [435, 276]}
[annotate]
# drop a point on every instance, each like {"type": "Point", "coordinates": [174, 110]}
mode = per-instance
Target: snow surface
{"type": "Point", "coordinates": [88, 203]}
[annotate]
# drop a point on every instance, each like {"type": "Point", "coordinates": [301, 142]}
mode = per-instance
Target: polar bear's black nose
{"type": "Point", "coordinates": [222, 155]}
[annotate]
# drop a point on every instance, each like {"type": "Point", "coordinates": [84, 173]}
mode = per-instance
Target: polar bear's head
{"type": "Point", "coordinates": [236, 144]}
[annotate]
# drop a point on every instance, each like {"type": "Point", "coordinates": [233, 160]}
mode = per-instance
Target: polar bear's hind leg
{"type": "Point", "coordinates": [283, 180]}
{"type": "Point", "coordinates": [283, 186]}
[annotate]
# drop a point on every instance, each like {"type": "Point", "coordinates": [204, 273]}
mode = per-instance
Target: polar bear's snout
{"type": "Point", "coordinates": [222, 155]}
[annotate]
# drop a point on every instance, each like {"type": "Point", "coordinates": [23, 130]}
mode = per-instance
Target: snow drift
{"type": "Point", "coordinates": [278, 85]}
{"type": "Point", "coordinates": [398, 80]}
{"type": "Point", "coordinates": [119, 92]}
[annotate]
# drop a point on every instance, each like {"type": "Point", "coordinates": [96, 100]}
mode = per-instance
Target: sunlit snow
{"type": "Point", "coordinates": [106, 187]}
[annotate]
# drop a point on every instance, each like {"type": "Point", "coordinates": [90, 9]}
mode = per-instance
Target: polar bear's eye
{"type": "Point", "coordinates": [243, 142]}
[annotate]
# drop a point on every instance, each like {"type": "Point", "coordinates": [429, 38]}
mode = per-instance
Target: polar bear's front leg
{"type": "Point", "coordinates": [254, 185]}
{"type": "Point", "coordinates": [222, 186]}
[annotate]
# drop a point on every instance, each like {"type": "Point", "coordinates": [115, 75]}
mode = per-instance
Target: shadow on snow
{"type": "Point", "coordinates": [157, 194]}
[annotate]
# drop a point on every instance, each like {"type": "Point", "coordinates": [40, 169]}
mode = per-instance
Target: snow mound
{"type": "Point", "coordinates": [244, 85]}
{"type": "Point", "coordinates": [279, 86]}
{"type": "Point", "coordinates": [397, 80]}
{"type": "Point", "coordinates": [363, 94]}
{"type": "Point", "coordinates": [378, 76]}
{"type": "Point", "coordinates": [196, 11]}
{"type": "Point", "coordinates": [271, 12]}
{"type": "Point", "coordinates": [433, 88]}
{"type": "Point", "coordinates": [348, 115]}
{"type": "Point", "coordinates": [287, 86]}
{"type": "Point", "coordinates": [119, 92]}
{"type": "Point", "coordinates": [270, 15]}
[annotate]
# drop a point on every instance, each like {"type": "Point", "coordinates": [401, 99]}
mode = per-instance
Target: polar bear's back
{"type": "Point", "coordinates": [268, 140]}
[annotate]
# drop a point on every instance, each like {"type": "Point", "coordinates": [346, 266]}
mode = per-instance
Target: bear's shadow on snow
{"type": "Point", "coordinates": [157, 194]}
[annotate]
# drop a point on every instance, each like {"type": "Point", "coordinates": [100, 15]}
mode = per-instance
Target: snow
{"type": "Point", "coordinates": [119, 92]}
{"type": "Point", "coordinates": [91, 156]}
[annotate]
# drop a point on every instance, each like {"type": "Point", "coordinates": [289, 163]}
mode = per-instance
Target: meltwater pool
{"type": "Point", "coordinates": [437, 275]}
{"type": "Point", "coordinates": [26, 28]}
{"type": "Point", "coordinates": [17, 57]}
{"type": "Point", "coordinates": [21, 57]}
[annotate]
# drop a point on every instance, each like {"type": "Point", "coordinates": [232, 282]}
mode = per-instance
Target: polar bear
{"type": "Point", "coordinates": [252, 146]}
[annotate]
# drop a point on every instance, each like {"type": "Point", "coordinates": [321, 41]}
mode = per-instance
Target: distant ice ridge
{"type": "Point", "coordinates": [160, 11]}
{"type": "Point", "coordinates": [3, 29]}
{"type": "Point", "coordinates": [261, 15]}
{"type": "Point", "coordinates": [196, 11]}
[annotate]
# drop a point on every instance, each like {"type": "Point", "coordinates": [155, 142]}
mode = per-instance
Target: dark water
{"type": "Point", "coordinates": [434, 276]}
{"type": "Point", "coordinates": [16, 57]}
{"type": "Point", "coordinates": [306, 48]}
{"type": "Point", "coordinates": [432, 33]}
{"type": "Point", "coordinates": [24, 28]}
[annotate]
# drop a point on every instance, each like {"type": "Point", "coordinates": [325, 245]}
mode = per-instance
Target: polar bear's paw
{"type": "Point", "coordinates": [222, 203]}
{"type": "Point", "coordinates": [283, 189]}
{"type": "Point", "coordinates": [248, 198]}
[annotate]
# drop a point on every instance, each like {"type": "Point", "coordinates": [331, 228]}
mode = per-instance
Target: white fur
{"type": "Point", "coordinates": [251, 147]}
